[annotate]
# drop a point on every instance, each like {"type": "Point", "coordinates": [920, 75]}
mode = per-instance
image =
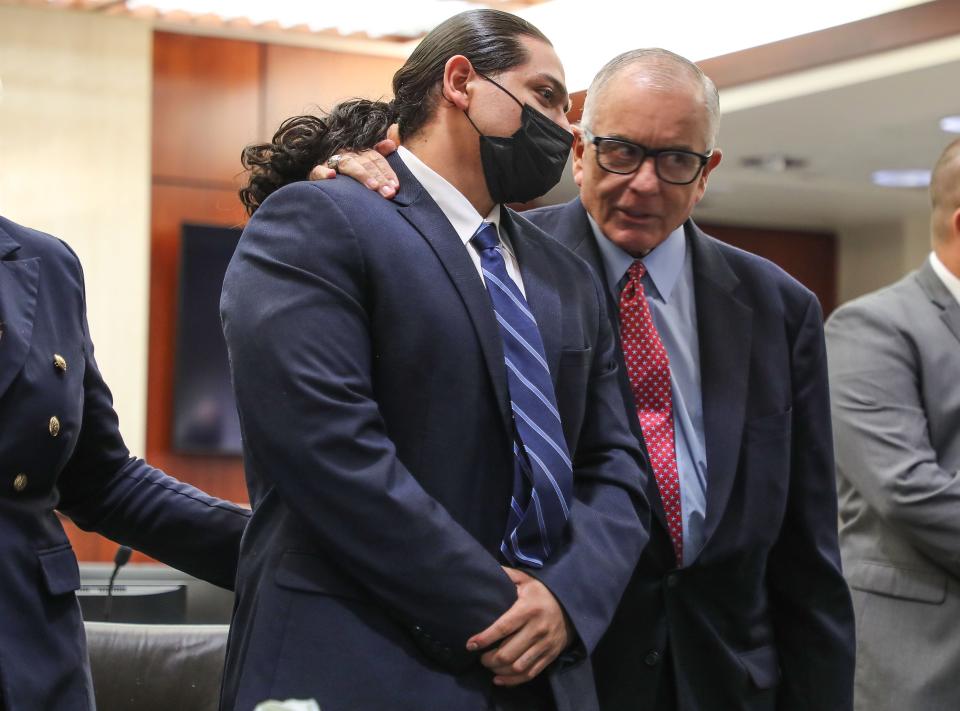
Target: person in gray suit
{"type": "Point", "coordinates": [894, 361]}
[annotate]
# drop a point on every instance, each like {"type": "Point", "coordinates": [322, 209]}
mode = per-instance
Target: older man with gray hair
{"type": "Point", "coordinates": [895, 387]}
{"type": "Point", "coordinates": [738, 601]}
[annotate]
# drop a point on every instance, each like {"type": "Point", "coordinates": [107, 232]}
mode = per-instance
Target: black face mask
{"type": "Point", "coordinates": [527, 164]}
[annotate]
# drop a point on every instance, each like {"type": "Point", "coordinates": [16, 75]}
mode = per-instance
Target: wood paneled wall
{"type": "Point", "coordinates": [809, 257]}
{"type": "Point", "coordinates": [212, 97]}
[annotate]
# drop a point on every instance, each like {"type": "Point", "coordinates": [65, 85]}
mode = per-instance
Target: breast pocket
{"type": "Point", "coordinates": [776, 427]}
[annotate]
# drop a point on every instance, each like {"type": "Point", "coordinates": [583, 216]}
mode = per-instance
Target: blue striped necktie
{"type": "Point", "coordinates": [543, 473]}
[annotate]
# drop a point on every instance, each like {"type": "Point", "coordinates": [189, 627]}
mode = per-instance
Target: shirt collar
{"type": "Point", "coordinates": [456, 208]}
{"type": "Point", "coordinates": [663, 263]}
{"type": "Point", "coordinates": [949, 279]}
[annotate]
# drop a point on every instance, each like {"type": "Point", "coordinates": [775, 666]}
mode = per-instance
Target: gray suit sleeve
{"type": "Point", "coordinates": [882, 439]}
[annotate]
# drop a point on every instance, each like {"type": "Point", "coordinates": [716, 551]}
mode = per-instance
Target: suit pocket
{"type": "Point", "coordinates": [576, 357]}
{"type": "Point", "coordinates": [927, 586]}
{"type": "Point", "coordinates": [61, 572]}
{"type": "Point", "coordinates": [310, 573]}
{"type": "Point", "coordinates": [762, 665]}
{"type": "Point", "coordinates": [769, 427]}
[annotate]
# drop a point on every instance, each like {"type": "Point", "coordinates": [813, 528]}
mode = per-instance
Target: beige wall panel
{"type": "Point", "coordinates": [74, 161]}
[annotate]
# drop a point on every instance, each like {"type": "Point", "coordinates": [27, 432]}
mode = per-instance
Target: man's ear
{"type": "Point", "coordinates": [457, 74]}
{"type": "Point", "coordinates": [712, 162]}
{"type": "Point", "coordinates": [578, 148]}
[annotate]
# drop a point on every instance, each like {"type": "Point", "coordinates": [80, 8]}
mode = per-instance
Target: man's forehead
{"type": "Point", "coordinates": [626, 106]}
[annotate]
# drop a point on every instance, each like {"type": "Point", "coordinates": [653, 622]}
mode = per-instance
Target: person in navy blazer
{"type": "Point", "coordinates": [757, 616]}
{"type": "Point", "coordinates": [61, 449]}
{"type": "Point", "coordinates": [371, 385]}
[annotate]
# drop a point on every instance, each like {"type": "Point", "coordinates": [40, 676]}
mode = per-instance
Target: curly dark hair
{"type": "Point", "coordinates": [302, 142]}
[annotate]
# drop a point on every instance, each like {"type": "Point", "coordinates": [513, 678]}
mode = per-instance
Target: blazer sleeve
{"type": "Point", "coordinates": [295, 317]}
{"type": "Point", "coordinates": [103, 489]}
{"type": "Point", "coordinates": [610, 515]}
{"type": "Point", "coordinates": [882, 436]}
{"type": "Point", "coordinates": [813, 613]}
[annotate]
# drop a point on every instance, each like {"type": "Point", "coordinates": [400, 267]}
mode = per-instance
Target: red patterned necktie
{"type": "Point", "coordinates": [648, 367]}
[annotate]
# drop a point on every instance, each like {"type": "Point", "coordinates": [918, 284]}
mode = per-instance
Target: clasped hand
{"type": "Point", "coordinates": [527, 637]}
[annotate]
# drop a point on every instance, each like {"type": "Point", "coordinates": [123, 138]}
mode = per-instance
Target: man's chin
{"type": "Point", "coordinates": [637, 239]}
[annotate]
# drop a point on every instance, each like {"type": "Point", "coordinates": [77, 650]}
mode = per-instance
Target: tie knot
{"type": "Point", "coordinates": [486, 237]}
{"type": "Point", "coordinates": [636, 271]}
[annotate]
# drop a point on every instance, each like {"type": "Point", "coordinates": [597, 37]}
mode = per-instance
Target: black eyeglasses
{"type": "Point", "coordinates": [672, 166]}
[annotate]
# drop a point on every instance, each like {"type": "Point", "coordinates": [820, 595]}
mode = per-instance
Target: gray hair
{"type": "Point", "coordinates": [665, 70]}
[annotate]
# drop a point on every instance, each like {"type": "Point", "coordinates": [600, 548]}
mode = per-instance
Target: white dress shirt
{"type": "Point", "coordinates": [463, 217]}
{"type": "Point", "coordinates": [949, 279]}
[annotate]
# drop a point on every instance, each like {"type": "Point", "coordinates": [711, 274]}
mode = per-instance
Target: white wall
{"type": "Point", "coordinates": [75, 162]}
{"type": "Point", "coordinates": [872, 256]}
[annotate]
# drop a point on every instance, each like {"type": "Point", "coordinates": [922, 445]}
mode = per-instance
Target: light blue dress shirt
{"type": "Point", "coordinates": [668, 285]}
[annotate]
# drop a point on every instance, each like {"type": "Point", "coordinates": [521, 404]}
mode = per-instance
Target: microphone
{"type": "Point", "coordinates": [119, 560]}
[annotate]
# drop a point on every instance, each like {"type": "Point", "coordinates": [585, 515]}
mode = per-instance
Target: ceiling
{"type": "Point", "coordinates": [844, 133]}
{"type": "Point", "coordinates": [844, 122]}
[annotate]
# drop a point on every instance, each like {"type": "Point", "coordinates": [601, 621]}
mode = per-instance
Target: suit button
{"type": "Point", "coordinates": [673, 580]}
{"type": "Point", "coordinates": [652, 658]}
{"type": "Point", "coordinates": [59, 362]}
{"type": "Point", "coordinates": [20, 482]}
{"type": "Point", "coordinates": [54, 426]}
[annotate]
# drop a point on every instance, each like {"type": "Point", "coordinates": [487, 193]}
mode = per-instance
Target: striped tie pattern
{"type": "Point", "coordinates": [648, 367]}
{"type": "Point", "coordinates": [543, 472]}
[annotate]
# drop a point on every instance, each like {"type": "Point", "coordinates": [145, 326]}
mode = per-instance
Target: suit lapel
{"type": "Point", "coordinates": [941, 296]}
{"type": "Point", "coordinates": [539, 285]}
{"type": "Point", "coordinates": [724, 325]}
{"type": "Point", "coordinates": [416, 206]}
{"type": "Point", "coordinates": [951, 317]}
{"type": "Point", "coordinates": [19, 283]}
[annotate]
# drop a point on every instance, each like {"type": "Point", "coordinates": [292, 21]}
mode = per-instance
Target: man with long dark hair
{"type": "Point", "coordinates": [447, 499]}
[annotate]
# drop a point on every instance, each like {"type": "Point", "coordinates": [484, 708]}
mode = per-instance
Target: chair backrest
{"type": "Point", "coordinates": [146, 667]}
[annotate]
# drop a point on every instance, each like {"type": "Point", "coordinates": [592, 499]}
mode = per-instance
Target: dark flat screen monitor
{"type": "Point", "coordinates": [204, 412]}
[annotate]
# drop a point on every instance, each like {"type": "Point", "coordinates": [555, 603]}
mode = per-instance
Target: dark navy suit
{"type": "Point", "coordinates": [76, 463]}
{"type": "Point", "coordinates": [762, 619]}
{"type": "Point", "coordinates": [372, 392]}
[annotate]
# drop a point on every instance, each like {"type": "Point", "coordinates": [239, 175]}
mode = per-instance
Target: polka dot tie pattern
{"type": "Point", "coordinates": [648, 367]}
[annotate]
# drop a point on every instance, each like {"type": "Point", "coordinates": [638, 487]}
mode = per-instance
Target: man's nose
{"type": "Point", "coordinates": [645, 180]}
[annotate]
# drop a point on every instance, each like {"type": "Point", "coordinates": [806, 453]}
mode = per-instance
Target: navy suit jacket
{"type": "Point", "coordinates": [371, 385]}
{"type": "Point", "coordinates": [82, 469]}
{"type": "Point", "coordinates": [762, 619]}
